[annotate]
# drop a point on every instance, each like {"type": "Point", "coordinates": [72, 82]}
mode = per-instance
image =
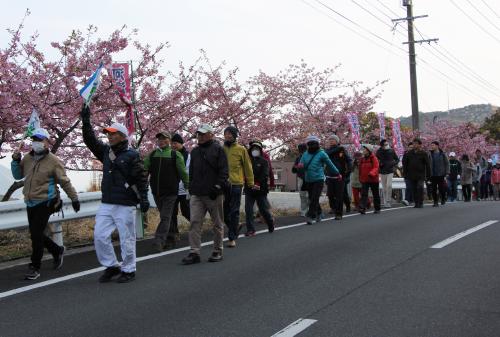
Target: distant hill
{"type": "Point", "coordinates": [475, 113]}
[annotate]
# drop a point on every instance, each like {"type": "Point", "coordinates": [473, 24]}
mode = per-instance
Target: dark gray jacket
{"type": "Point", "coordinates": [440, 166]}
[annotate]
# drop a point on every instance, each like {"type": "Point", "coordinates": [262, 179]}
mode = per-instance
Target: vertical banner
{"type": "Point", "coordinates": [33, 123]}
{"type": "Point", "coordinates": [120, 75]}
{"type": "Point", "coordinates": [355, 129]}
{"type": "Point", "coordinates": [121, 79]}
{"type": "Point", "coordinates": [396, 138]}
{"type": "Point", "coordinates": [381, 123]}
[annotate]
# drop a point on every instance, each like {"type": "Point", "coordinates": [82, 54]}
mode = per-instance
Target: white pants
{"type": "Point", "coordinates": [386, 180]}
{"type": "Point", "coordinates": [108, 218]}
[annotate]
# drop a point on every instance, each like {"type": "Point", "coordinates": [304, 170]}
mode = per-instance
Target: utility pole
{"type": "Point", "coordinates": [412, 57]}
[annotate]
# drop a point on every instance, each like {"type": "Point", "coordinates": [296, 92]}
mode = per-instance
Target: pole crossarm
{"type": "Point", "coordinates": [422, 41]}
{"type": "Point", "coordinates": [410, 18]}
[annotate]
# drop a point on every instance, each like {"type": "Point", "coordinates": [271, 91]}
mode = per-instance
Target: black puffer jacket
{"type": "Point", "coordinates": [342, 161]}
{"type": "Point", "coordinates": [260, 168]}
{"type": "Point", "coordinates": [388, 159]}
{"type": "Point", "coordinates": [416, 165]}
{"type": "Point", "coordinates": [120, 174]}
{"type": "Point", "coordinates": [208, 168]}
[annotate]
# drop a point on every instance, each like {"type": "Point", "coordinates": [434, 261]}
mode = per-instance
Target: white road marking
{"type": "Point", "coordinates": [295, 328]}
{"type": "Point", "coordinates": [458, 236]}
{"type": "Point", "coordinates": [145, 258]}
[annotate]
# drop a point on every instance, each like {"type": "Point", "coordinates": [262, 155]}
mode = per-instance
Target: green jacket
{"type": "Point", "coordinates": [155, 171]}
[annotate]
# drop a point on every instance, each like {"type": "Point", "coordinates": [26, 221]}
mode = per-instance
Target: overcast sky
{"type": "Point", "coordinates": [270, 34]}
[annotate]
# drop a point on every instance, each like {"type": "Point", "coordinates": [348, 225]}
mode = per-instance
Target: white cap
{"type": "Point", "coordinates": [453, 154]}
{"type": "Point", "coordinates": [116, 127]}
{"type": "Point", "coordinates": [490, 160]}
{"type": "Point", "coordinates": [40, 133]}
{"type": "Point", "coordinates": [205, 128]}
{"type": "Point", "coordinates": [312, 138]}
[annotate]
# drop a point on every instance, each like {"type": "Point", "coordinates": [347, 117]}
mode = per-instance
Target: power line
{"type": "Point", "coordinates": [458, 85]}
{"type": "Point", "coordinates": [447, 54]}
{"type": "Point", "coordinates": [474, 21]}
{"type": "Point", "coordinates": [483, 15]}
{"type": "Point", "coordinates": [481, 81]}
{"type": "Point", "coordinates": [491, 9]}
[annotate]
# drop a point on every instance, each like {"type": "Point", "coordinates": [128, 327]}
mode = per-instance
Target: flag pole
{"type": "Point", "coordinates": [134, 110]}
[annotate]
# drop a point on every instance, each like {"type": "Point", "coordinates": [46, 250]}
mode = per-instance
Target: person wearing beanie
{"type": "Point", "coordinates": [182, 201]}
{"type": "Point", "coordinates": [337, 188]}
{"type": "Point", "coordinates": [417, 169]}
{"type": "Point", "coordinates": [312, 164]}
{"type": "Point", "coordinates": [240, 175]}
{"type": "Point", "coordinates": [166, 169]}
{"type": "Point", "coordinates": [304, 200]}
{"type": "Point", "coordinates": [124, 185]}
{"type": "Point", "coordinates": [258, 193]}
{"type": "Point", "coordinates": [388, 161]}
{"type": "Point", "coordinates": [369, 178]}
{"type": "Point", "coordinates": [440, 168]}
{"type": "Point", "coordinates": [452, 179]}
{"type": "Point", "coordinates": [42, 171]}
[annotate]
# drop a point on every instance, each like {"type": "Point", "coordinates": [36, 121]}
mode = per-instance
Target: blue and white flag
{"type": "Point", "coordinates": [33, 124]}
{"type": "Point", "coordinates": [91, 86]}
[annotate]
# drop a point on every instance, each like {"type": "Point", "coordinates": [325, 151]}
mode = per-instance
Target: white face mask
{"type": "Point", "coordinates": [255, 153]}
{"type": "Point", "coordinates": [38, 147]}
{"type": "Point", "coordinates": [386, 146]}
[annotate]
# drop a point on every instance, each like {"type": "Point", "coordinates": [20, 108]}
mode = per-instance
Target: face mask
{"type": "Point", "coordinates": [38, 147]}
{"type": "Point", "coordinates": [255, 153]}
{"type": "Point", "coordinates": [386, 146]}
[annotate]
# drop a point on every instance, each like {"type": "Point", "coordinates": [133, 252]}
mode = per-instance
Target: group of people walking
{"type": "Point", "coordinates": [212, 178]}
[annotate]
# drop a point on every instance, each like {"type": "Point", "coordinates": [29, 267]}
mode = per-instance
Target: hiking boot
{"type": "Point", "coordinates": [32, 274]}
{"type": "Point", "coordinates": [157, 247]}
{"type": "Point", "coordinates": [170, 244]}
{"type": "Point", "coordinates": [435, 204]}
{"type": "Point", "coordinates": [109, 273]}
{"type": "Point", "coordinates": [270, 228]}
{"type": "Point", "coordinates": [377, 211]}
{"type": "Point", "coordinates": [215, 257]}
{"type": "Point", "coordinates": [338, 217]}
{"type": "Point", "coordinates": [250, 233]}
{"type": "Point", "coordinates": [347, 209]}
{"type": "Point", "coordinates": [231, 244]}
{"type": "Point", "coordinates": [405, 202]}
{"type": "Point", "coordinates": [443, 202]}
{"type": "Point", "coordinates": [126, 277]}
{"type": "Point", "coordinates": [362, 211]}
{"type": "Point", "coordinates": [192, 258]}
{"type": "Point", "coordinates": [58, 259]}
{"type": "Point", "coordinates": [309, 221]}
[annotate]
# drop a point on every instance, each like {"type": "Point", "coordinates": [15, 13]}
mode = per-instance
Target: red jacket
{"type": "Point", "coordinates": [495, 176]}
{"type": "Point", "coordinates": [368, 169]}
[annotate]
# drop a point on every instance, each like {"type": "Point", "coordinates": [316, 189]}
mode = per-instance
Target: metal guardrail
{"type": "Point", "coordinates": [13, 213]}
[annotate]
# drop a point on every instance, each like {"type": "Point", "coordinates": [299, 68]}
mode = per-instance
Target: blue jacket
{"type": "Point", "coordinates": [315, 171]}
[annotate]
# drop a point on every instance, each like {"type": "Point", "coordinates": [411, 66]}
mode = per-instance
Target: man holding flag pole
{"type": "Point", "coordinates": [123, 186]}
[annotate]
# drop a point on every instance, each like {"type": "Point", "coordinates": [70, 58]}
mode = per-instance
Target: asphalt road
{"type": "Point", "coordinates": [371, 275]}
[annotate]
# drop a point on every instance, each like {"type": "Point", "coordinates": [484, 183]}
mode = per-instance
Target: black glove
{"type": "Point", "coordinates": [85, 113]}
{"type": "Point", "coordinates": [76, 205]}
{"type": "Point", "coordinates": [214, 192]}
{"type": "Point", "coordinates": [144, 205]}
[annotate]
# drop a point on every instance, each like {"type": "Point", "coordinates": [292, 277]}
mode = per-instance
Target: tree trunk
{"type": "Point", "coordinates": [15, 186]}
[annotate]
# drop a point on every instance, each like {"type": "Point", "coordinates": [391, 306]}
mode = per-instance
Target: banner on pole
{"type": "Point", "coordinates": [355, 130]}
{"type": "Point", "coordinates": [396, 138]}
{"type": "Point", "coordinates": [33, 123]}
{"type": "Point", "coordinates": [381, 123]}
{"type": "Point", "coordinates": [92, 85]}
{"type": "Point", "coordinates": [120, 76]}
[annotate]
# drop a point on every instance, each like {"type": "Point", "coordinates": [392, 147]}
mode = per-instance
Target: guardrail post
{"type": "Point", "coordinates": [56, 232]}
